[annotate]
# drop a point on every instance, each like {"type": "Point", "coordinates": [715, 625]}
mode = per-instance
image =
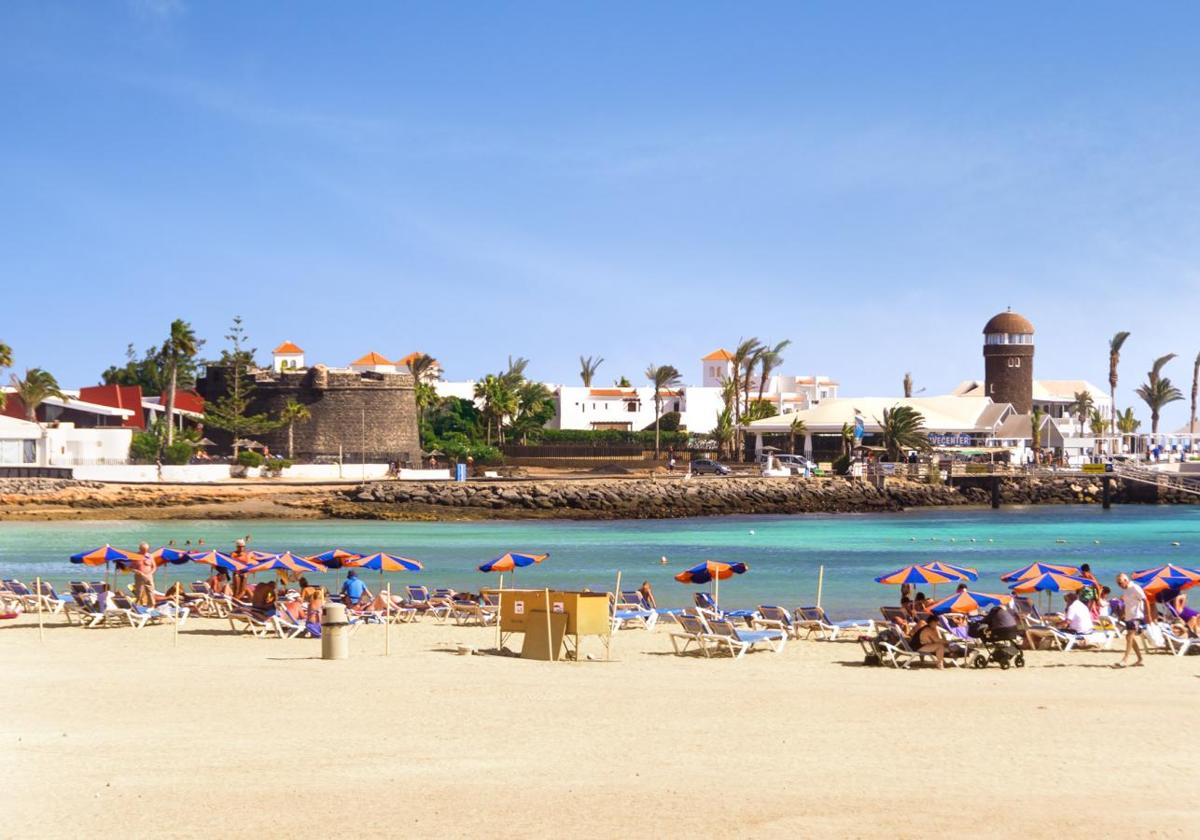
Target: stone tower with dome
{"type": "Point", "coordinates": [1008, 360]}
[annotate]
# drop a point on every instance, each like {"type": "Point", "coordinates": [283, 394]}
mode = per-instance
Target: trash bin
{"type": "Point", "coordinates": [335, 632]}
{"type": "Point", "coordinates": [460, 472]}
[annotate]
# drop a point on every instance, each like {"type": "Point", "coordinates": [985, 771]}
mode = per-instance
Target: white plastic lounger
{"type": "Point", "coordinates": [739, 642]}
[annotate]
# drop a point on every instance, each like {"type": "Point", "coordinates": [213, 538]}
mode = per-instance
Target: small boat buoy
{"type": "Point", "coordinates": [662, 561]}
{"type": "Point", "coordinates": [752, 532]}
{"type": "Point", "coordinates": [972, 539]}
{"type": "Point", "coordinates": [952, 539]}
{"type": "Point", "coordinates": [1176, 543]}
{"type": "Point", "coordinates": [990, 539]}
{"type": "Point", "coordinates": [1096, 542]}
{"type": "Point", "coordinates": [1060, 542]}
{"type": "Point", "coordinates": [912, 539]}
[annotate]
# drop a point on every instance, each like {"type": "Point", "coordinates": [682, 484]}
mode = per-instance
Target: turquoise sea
{"type": "Point", "coordinates": [784, 552]}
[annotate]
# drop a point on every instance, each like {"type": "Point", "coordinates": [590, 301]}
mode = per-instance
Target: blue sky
{"type": "Point", "coordinates": [643, 182]}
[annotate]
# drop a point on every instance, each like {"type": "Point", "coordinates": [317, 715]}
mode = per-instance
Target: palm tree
{"type": "Point", "coordinates": [587, 369]}
{"type": "Point", "coordinates": [292, 414]}
{"type": "Point", "coordinates": [798, 429]}
{"type": "Point", "coordinates": [902, 428]}
{"type": "Point", "coordinates": [534, 408]}
{"type": "Point", "coordinates": [1081, 406]}
{"type": "Point", "coordinates": [1114, 358]}
{"type": "Point", "coordinates": [1097, 423]}
{"type": "Point", "coordinates": [5, 362]}
{"type": "Point", "coordinates": [745, 356]}
{"type": "Point", "coordinates": [1158, 391]}
{"type": "Point", "coordinates": [1127, 424]}
{"type": "Point", "coordinates": [769, 361]}
{"type": "Point", "coordinates": [499, 402]}
{"type": "Point", "coordinates": [1036, 418]}
{"type": "Point", "coordinates": [908, 384]}
{"type": "Point", "coordinates": [1195, 391]}
{"type": "Point", "coordinates": [422, 366]}
{"type": "Point", "coordinates": [662, 377]}
{"type": "Point", "coordinates": [179, 348]}
{"type": "Point", "coordinates": [847, 435]}
{"type": "Point", "coordinates": [37, 386]}
{"type": "Point", "coordinates": [723, 431]}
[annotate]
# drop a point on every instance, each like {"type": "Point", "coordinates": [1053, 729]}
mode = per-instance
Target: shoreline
{"type": "Point", "coordinates": [539, 499]}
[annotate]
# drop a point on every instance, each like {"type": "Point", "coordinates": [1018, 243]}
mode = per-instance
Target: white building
{"type": "Point", "coordinates": [287, 356]}
{"type": "Point", "coordinates": [26, 444]}
{"type": "Point", "coordinates": [632, 408]}
{"type": "Point", "coordinates": [1052, 396]}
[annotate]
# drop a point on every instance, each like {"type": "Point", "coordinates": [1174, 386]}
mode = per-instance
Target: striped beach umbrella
{"type": "Point", "coordinates": [165, 554]}
{"type": "Point", "coordinates": [104, 555]}
{"type": "Point", "coordinates": [382, 562]}
{"type": "Point", "coordinates": [287, 562]}
{"type": "Point", "coordinates": [334, 558]}
{"type": "Point", "coordinates": [217, 559]}
{"type": "Point", "coordinates": [963, 572]}
{"type": "Point", "coordinates": [1157, 584]}
{"type": "Point", "coordinates": [511, 561]}
{"type": "Point", "coordinates": [1037, 569]}
{"type": "Point", "coordinates": [1051, 582]}
{"type": "Point", "coordinates": [1170, 571]}
{"type": "Point", "coordinates": [968, 602]}
{"type": "Point", "coordinates": [918, 575]}
{"type": "Point", "coordinates": [711, 570]}
{"type": "Point", "coordinates": [714, 571]}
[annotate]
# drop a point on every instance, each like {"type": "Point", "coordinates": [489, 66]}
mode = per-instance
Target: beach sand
{"type": "Point", "coordinates": [118, 731]}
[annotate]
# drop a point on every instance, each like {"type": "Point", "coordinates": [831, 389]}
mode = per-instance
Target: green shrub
{"type": "Point", "coordinates": [277, 465]}
{"type": "Point", "coordinates": [602, 437]}
{"type": "Point", "coordinates": [668, 422]}
{"type": "Point", "coordinates": [250, 458]}
{"type": "Point", "coordinates": [842, 465]}
{"type": "Point", "coordinates": [179, 452]}
{"type": "Point", "coordinates": [143, 447]}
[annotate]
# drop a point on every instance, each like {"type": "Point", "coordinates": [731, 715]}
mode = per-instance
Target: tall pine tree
{"type": "Point", "coordinates": [230, 411]}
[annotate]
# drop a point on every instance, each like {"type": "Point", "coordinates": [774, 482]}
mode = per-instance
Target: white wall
{"type": "Point", "coordinates": [332, 472]}
{"type": "Point", "coordinates": [67, 446]}
{"type": "Point", "coordinates": [207, 473]}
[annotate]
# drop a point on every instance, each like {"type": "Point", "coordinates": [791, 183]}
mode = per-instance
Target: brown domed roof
{"type": "Point", "coordinates": [1008, 322]}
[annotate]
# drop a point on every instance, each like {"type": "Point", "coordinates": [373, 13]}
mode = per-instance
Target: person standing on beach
{"type": "Point", "coordinates": [143, 577]}
{"type": "Point", "coordinates": [1135, 610]}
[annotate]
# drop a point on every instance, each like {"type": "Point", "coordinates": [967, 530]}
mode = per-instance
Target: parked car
{"type": "Point", "coordinates": [797, 464]}
{"type": "Point", "coordinates": [707, 466]}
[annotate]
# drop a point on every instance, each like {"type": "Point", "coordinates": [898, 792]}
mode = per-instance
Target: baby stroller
{"type": "Point", "coordinates": [999, 646]}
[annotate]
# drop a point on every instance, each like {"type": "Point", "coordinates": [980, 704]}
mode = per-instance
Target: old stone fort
{"type": "Point", "coordinates": [366, 410]}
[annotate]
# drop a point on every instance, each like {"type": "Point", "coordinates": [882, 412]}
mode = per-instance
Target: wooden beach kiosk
{"type": "Point", "coordinates": [554, 620]}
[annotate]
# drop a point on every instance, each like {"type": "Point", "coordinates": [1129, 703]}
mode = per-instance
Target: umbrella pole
{"type": "Point", "coordinates": [717, 591]}
{"type": "Point", "coordinates": [549, 631]}
{"type": "Point", "coordinates": [499, 613]}
{"type": "Point", "coordinates": [387, 621]}
{"type": "Point", "coordinates": [607, 647]}
{"type": "Point", "coordinates": [820, 583]}
{"type": "Point", "coordinates": [175, 634]}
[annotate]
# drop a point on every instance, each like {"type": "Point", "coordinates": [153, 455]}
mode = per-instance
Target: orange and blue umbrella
{"type": "Point", "coordinates": [334, 558]}
{"type": "Point", "coordinates": [164, 555]}
{"type": "Point", "coordinates": [1170, 572]}
{"type": "Point", "coordinates": [1034, 570]}
{"type": "Point", "coordinates": [382, 562]}
{"type": "Point", "coordinates": [511, 561]}
{"type": "Point", "coordinates": [711, 570]}
{"type": "Point", "coordinates": [1051, 582]}
{"type": "Point", "coordinates": [918, 575]}
{"type": "Point", "coordinates": [967, 602]}
{"type": "Point", "coordinates": [963, 572]}
{"type": "Point", "coordinates": [104, 555]}
{"type": "Point", "coordinates": [287, 562]}
{"type": "Point", "coordinates": [218, 559]}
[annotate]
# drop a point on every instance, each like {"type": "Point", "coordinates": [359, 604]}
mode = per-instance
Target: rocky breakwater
{"type": "Point", "coordinates": [637, 498]}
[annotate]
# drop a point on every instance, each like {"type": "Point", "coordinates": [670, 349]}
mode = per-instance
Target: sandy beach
{"type": "Point", "coordinates": [223, 735]}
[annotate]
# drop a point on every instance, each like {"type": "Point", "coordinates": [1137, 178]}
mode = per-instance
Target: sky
{"type": "Point", "coordinates": [639, 181]}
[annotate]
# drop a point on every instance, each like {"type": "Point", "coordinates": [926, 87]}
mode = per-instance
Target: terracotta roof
{"type": "Point", "coordinates": [371, 359]}
{"type": "Point", "coordinates": [1008, 322]}
{"type": "Point", "coordinates": [411, 357]}
{"type": "Point", "coordinates": [612, 392]}
{"type": "Point", "coordinates": [719, 355]}
{"type": "Point", "coordinates": [286, 348]}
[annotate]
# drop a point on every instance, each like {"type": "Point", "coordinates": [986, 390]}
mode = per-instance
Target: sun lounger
{"type": "Point", "coordinates": [467, 613]}
{"type": "Point", "coordinates": [819, 624]}
{"type": "Point", "coordinates": [771, 617]}
{"type": "Point", "coordinates": [738, 642]}
{"type": "Point", "coordinates": [709, 609]}
{"type": "Point", "coordinates": [246, 620]}
{"type": "Point", "coordinates": [1178, 643]}
{"type": "Point", "coordinates": [693, 632]}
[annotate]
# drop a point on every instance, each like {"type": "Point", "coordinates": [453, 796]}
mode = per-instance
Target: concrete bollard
{"type": "Point", "coordinates": [335, 632]}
